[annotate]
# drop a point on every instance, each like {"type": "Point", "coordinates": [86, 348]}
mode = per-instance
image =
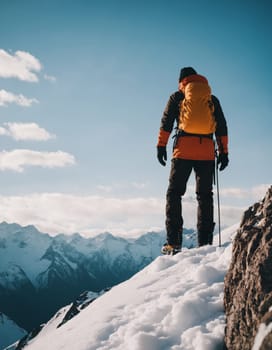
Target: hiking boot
{"type": "Point", "coordinates": [168, 249]}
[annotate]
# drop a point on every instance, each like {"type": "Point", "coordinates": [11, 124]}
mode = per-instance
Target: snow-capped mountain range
{"type": "Point", "coordinates": [39, 273]}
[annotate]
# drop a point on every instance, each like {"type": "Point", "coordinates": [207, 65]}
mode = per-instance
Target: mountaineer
{"type": "Point", "coordinates": [198, 116]}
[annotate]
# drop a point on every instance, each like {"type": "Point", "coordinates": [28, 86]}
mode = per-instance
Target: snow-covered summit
{"type": "Point", "coordinates": [175, 303]}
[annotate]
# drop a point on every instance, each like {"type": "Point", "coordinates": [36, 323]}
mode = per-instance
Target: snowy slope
{"type": "Point", "coordinates": [174, 303]}
{"type": "Point", "coordinates": [9, 331]}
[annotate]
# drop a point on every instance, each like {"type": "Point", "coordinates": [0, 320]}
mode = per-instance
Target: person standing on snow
{"type": "Point", "coordinates": [199, 116]}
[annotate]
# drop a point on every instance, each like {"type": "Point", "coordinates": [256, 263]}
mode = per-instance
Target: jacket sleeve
{"type": "Point", "coordinates": [221, 132]}
{"type": "Point", "coordinates": [170, 114]}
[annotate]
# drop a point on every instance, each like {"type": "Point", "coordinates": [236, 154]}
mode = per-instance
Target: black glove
{"type": "Point", "coordinates": [162, 155]}
{"type": "Point", "coordinates": [223, 161]}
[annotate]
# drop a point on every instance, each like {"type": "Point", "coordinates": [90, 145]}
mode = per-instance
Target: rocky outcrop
{"type": "Point", "coordinates": [248, 283]}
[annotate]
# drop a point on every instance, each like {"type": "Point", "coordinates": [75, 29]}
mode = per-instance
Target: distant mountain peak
{"type": "Point", "coordinates": [9, 331]}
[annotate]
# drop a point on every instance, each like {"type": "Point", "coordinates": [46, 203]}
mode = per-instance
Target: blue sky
{"type": "Point", "coordinates": [80, 108]}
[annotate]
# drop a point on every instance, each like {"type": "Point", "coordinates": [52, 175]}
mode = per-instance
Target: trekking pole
{"type": "Point", "coordinates": [218, 199]}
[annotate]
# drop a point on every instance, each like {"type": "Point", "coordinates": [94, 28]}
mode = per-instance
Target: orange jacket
{"type": "Point", "coordinates": [192, 146]}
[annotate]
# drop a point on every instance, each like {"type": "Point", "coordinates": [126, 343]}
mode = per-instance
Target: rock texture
{"type": "Point", "coordinates": [248, 283]}
{"type": "Point", "coordinates": [266, 343]}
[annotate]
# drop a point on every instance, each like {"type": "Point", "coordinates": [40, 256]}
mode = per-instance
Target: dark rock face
{"type": "Point", "coordinates": [248, 283]}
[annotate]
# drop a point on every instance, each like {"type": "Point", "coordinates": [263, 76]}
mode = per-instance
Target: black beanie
{"type": "Point", "coordinates": [185, 72]}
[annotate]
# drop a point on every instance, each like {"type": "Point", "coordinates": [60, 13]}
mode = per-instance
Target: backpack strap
{"type": "Point", "coordinates": [184, 133]}
{"type": "Point", "coordinates": [181, 133]}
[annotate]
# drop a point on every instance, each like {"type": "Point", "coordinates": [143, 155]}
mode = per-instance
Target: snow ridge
{"type": "Point", "coordinates": [175, 303]}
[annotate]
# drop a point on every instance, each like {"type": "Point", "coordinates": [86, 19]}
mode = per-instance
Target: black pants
{"type": "Point", "coordinates": [179, 175]}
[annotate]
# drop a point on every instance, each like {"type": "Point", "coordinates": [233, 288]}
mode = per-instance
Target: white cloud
{"type": "Point", "coordinates": [3, 131]}
{"type": "Point", "coordinates": [93, 214]}
{"type": "Point", "coordinates": [102, 188]}
{"type": "Point", "coordinates": [89, 215]}
{"type": "Point", "coordinates": [254, 193]}
{"type": "Point", "coordinates": [20, 65]}
{"type": "Point", "coordinates": [50, 78]}
{"type": "Point", "coordinates": [59, 212]}
{"type": "Point", "coordinates": [25, 132]}
{"type": "Point", "coordinates": [117, 187]}
{"type": "Point", "coordinates": [17, 160]}
{"type": "Point", "coordinates": [138, 185]}
{"type": "Point", "coordinates": [7, 97]}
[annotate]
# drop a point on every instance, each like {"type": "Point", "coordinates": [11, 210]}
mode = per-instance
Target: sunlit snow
{"type": "Point", "coordinates": [174, 303]}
